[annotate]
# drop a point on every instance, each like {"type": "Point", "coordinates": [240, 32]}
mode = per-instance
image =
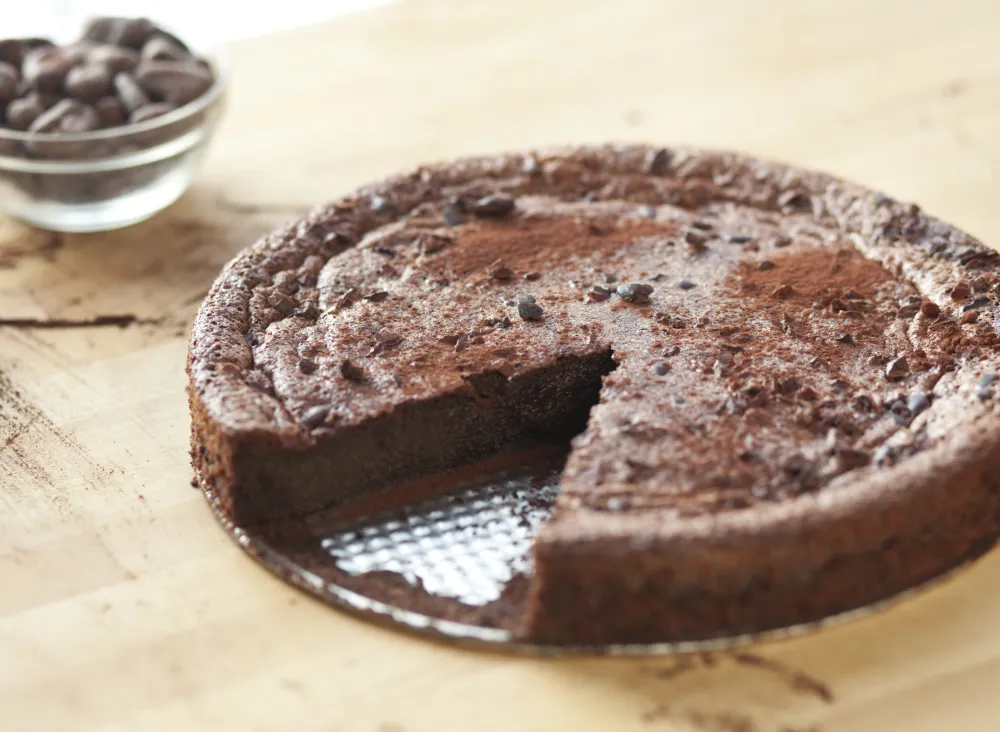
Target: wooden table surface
{"type": "Point", "coordinates": [124, 606]}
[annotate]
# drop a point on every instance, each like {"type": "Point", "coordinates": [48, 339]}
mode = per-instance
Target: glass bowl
{"type": "Point", "coordinates": [113, 177]}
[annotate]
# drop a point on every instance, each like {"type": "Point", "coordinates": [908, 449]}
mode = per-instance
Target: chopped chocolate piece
{"type": "Point", "coordinates": [695, 240]}
{"type": "Point", "coordinates": [686, 284]}
{"type": "Point", "coordinates": [351, 371]}
{"type": "Point", "coordinates": [527, 308]}
{"type": "Point", "coordinates": [897, 369]}
{"type": "Point", "coordinates": [307, 365]}
{"type": "Point", "coordinates": [979, 302]}
{"type": "Point", "coordinates": [453, 214]}
{"type": "Point", "coordinates": [918, 403]}
{"type": "Point", "coordinates": [766, 265]}
{"type": "Point", "coordinates": [495, 206]}
{"type": "Point", "coordinates": [597, 294]}
{"type": "Point", "coordinates": [637, 293]}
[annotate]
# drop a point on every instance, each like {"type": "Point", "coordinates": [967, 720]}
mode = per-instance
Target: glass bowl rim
{"type": "Point", "coordinates": [219, 62]}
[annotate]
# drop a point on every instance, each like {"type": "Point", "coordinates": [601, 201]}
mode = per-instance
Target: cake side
{"type": "Point", "coordinates": [627, 580]}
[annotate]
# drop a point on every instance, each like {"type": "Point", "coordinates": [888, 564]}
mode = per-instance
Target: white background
{"type": "Point", "coordinates": [201, 22]}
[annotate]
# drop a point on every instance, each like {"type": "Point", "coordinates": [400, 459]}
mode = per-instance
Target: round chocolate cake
{"type": "Point", "coordinates": [779, 386]}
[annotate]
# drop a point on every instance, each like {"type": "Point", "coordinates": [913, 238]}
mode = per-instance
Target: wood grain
{"type": "Point", "coordinates": [125, 608]}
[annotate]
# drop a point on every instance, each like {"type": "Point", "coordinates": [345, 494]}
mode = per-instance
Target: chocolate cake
{"type": "Point", "coordinates": [781, 385]}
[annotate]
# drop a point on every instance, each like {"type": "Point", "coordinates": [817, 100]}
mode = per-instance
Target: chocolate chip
{"type": "Point", "coordinates": [351, 371]}
{"type": "Point", "coordinates": [657, 161]}
{"type": "Point", "coordinates": [900, 412]}
{"type": "Point", "coordinates": [129, 92]}
{"type": "Point", "coordinates": [917, 404]}
{"type": "Point", "coordinates": [347, 299]}
{"type": "Point", "coordinates": [661, 369]}
{"type": "Point", "coordinates": [695, 240]}
{"type": "Point", "coordinates": [308, 311]}
{"type": "Point", "coordinates": [377, 296]}
{"type": "Point", "coordinates": [702, 225]}
{"type": "Point", "coordinates": [111, 111]}
{"type": "Point", "coordinates": [162, 48]}
{"type": "Point", "coordinates": [315, 416]}
{"type": "Point", "coordinates": [307, 365]}
{"type": "Point", "coordinates": [930, 309]}
{"type": "Point", "coordinates": [9, 79]}
{"type": "Point", "coordinates": [738, 238]}
{"type": "Point", "coordinates": [150, 111]}
{"type": "Point", "coordinates": [527, 308]}
{"type": "Point", "coordinates": [686, 284]}
{"type": "Point", "coordinates": [532, 276]}
{"type": "Point", "coordinates": [68, 115]}
{"type": "Point", "coordinates": [787, 386]}
{"type": "Point", "coordinates": [765, 265]}
{"type": "Point", "coordinates": [132, 32]}
{"type": "Point", "coordinates": [793, 200]}
{"type": "Point", "coordinates": [782, 291]}
{"type": "Point", "coordinates": [637, 293]}
{"type": "Point", "coordinates": [114, 58]}
{"type": "Point", "coordinates": [453, 214]}
{"type": "Point", "coordinates": [282, 303]}
{"type": "Point", "coordinates": [979, 302]}
{"type": "Point", "coordinates": [897, 369]}
{"type": "Point", "coordinates": [851, 458]}
{"type": "Point", "coordinates": [88, 83]}
{"type": "Point", "coordinates": [597, 294]}
{"type": "Point", "coordinates": [497, 270]}
{"type": "Point", "coordinates": [863, 403]}
{"type": "Point", "coordinates": [21, 113]}
{"type": "Point", "coordinates": [179, 82]}
{"type": "Point", "coordinates": [44, 69]}
{"type": "Point", "coordinates": [12, 51]}
{"type": "Point", "coordinates": [505, 322]}
{"type": "Point", "coordinates": [808, 394]}
{"type": "Point", "coordinates": [494, 206]}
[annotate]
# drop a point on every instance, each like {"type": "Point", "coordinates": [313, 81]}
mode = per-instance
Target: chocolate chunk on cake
{"type": "Point", "coordinates": [780, 387]}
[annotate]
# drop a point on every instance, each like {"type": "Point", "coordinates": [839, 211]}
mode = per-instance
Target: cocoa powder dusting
{"type": "Point", "coordinates": [531, 243]}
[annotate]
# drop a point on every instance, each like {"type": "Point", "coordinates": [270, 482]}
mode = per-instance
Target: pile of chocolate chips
{"type": "Point", "coordinates": [120, 71]}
